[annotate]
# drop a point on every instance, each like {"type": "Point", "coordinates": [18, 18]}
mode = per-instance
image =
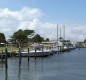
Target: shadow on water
{"type": "Point", "coordinates": [28, 65]}
{"type": "Point", "coordinates": [6, 74]}
{"type": "Point", "coordinates": [19, 75]}
{"type": "Point", "coordinates": [35, 64]}
{"type": "Point", "coordinates": [38, 64]}
{"type": "Point", "coordinates": [59, 53]}
{"type": "Point", "coordinates": [42, 64]}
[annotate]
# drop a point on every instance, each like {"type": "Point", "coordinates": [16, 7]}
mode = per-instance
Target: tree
{"type": "Point", "coordinates": [2, 38]}
{"type": "Point", "coordinates": [85, 40]}
{"type": "Point", "coordinates": [37, 38]}
{"type": "Point", "coordinates": [21, 36]}
{"type": "Point", "coordinates": [29, 32]}
{"type": "Point", "coordinates": [47, 39]}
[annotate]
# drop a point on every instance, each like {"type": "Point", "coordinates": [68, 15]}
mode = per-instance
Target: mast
{"type": "Point", "coordinates": [60, 32]}
{"type": "Point", "coordinates": [64, 31]}
{"type": "Point", "coordinates": [57, 32]}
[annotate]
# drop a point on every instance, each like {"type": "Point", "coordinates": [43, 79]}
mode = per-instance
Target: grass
{"type": "Point", "coordinates": [12, 49]}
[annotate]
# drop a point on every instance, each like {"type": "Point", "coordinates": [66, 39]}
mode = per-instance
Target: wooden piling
{"type": "Point", "coordinates": [19, 57]}
{"type": "Point", "coordinates": [60, 49]}
{"type": "Point", "coordinates": [42, 51]}
{"type": "Point", "coordinates": [28, 54]}
{"type": "Point", "coordinates": [19, 63]}
{"type": "Point", "coordinates": [6, 65]}
{"type": "Point", "coordinates": [2, 56]}
{"type": "Point", "coordinates": [10, 54]}
{"type": "Point", "coordinates": [35, 52]}
{"type": "Point", "coordinates": [52, 47]}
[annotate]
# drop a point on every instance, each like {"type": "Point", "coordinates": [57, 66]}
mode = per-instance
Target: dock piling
{"type": "Point", "coordinates": [19, 57]}
{"type": "Point", "coordinates": [28, 54]}
{"type": "Point", "coordinates": [6, 65]}
{"type": "Point", "coordinates": [60, 49]}
{"type": "Point", "coordinates": [35, 52]}
{"type": "Point", "coordinates": [2, 56]}
{"type": "Point", "coordinates": [42, 51]}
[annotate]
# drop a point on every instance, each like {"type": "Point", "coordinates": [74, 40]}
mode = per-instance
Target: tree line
{"type": "Point", "coordinates": [22, 37]}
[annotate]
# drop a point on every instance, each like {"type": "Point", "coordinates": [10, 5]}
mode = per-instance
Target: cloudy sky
{"type": "Point", "coordinates": [43, 17]}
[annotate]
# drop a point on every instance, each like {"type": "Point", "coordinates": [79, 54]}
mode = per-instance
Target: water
{"type": "Point", "coordinates": [64, 66]}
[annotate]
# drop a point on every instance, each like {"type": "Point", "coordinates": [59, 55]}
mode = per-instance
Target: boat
{"type": "Point", "coordinates": [32, 53]}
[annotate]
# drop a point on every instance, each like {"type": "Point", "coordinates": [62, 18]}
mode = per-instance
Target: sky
{"type": "Point", "coordinates": [43, 17]}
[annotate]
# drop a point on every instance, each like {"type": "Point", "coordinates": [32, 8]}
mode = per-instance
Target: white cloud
{"type": "Point", "coordinates": [29, 24]}
{"type": "Point", "coordinates": [10, 20]}
{"type": "Point", "coordinates": [76, 32]}
{"type": "Point", "coordinates": [29, 18]}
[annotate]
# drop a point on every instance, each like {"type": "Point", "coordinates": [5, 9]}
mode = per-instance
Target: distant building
{"type": "Point", "coordinates": [81, 44]}
{"type": "Point", "coordinates": [48, 45]}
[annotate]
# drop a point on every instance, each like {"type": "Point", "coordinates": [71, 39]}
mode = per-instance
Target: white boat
{"type": "Point", "coordinates": [32, 53]}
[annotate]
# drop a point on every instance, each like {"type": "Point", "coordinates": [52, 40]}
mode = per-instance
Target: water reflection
{"type": "Point", "coordinates": [66, 66]}
{"type": "Point", "coordinates": [35, 64]}
{"type": "Point", "coordinates": [19, 75]}
{"type": "Point", "coordinates": [6, 74]}
{"type": "Point", "coordinates": [28, 65]}
{"type": "Point", "coordinates": [42, 65]}
{"type": "Point", "coordinates": [59, 53]}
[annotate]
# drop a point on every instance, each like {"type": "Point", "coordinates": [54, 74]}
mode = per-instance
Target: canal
{"type": "Point", "coordinates": [63, 66]}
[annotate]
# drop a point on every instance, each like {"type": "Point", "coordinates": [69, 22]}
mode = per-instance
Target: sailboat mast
{"type": "Point", "coordinates": [60, 32]}
{"type": "Point", "coordinates": [57, 32]}
{"type": "Point", "coordinates": [64, 31]}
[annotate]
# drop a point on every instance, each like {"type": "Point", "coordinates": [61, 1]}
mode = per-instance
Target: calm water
{"type": "Point", "coordinates": [65, 66]}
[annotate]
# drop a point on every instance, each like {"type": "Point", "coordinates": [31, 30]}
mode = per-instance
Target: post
{"type": "Point", "coordinates": [2, 56]}
{"type": "Point", "coordinates": [35, 52]}
{"type": "Point", "coordinates": [28, 54]}
{"type": "Point", "coordinates": [6, 65]}
{"type": "Point", "coordinates": [52, 47]}
{"type": "Point", "coordinates": [19, 56]}
{"type": "Point", "coordinates": [42, 50]}
{"type": "Point", "coordinates": [60, 49]}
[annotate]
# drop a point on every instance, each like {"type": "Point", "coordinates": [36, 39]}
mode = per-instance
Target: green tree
{"type": "Point", "coordinates": [47, 39]}
{"type": "Point", "coordinates": [37, 38]}
{"type": "Point", "coordinates": [29, 32]}
{"type": "Point", "coordinates": [2, 38]}
{"type": "Point", "coordinates": [21, 36]}
{"type": "Point", "coordinates": [85, 40]}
